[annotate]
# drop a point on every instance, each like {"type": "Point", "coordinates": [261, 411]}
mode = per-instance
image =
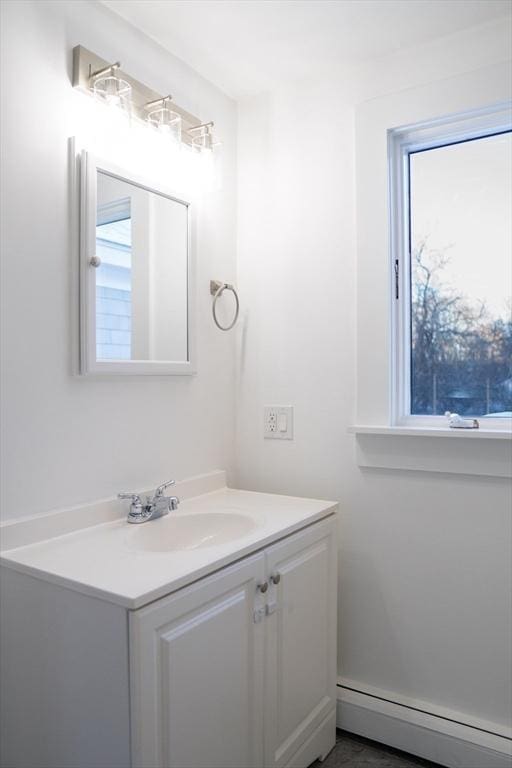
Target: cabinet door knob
{"type": "Point", "coordinates": [275, 578]}
{"type": "Point", "coordinates": [263, 587]}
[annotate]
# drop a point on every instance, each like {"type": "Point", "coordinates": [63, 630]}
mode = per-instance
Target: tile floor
{"type": "Point", "coordinates": [353, 751]}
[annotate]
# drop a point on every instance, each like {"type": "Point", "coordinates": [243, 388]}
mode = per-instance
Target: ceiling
{"type": "Point", "coordinates": [247, 46]}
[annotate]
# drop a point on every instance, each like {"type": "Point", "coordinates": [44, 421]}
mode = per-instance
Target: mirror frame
{"type": "Point", "coordinates": [89, 167]}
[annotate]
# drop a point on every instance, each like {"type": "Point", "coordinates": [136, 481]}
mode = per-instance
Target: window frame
{"type": "Point", "coordinates": [401, 143]}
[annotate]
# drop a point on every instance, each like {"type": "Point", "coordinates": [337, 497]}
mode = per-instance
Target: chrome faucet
{"type": "Point", "coordinates": [158, 506]}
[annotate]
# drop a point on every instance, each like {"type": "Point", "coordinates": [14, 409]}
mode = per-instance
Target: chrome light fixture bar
{"type": "Point", "coordinates": [89, 68]}
{"type": "Point", "coordinates": [109, 69]}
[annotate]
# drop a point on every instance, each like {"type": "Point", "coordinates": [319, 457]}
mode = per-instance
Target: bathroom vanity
{"type": "Point", "coordinates": [204, 638]}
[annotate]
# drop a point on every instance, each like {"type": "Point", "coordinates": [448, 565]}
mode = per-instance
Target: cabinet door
{"type": "Point", "coordinates": [197, 674]}
{"type": "Point", "coordinates": [300, 639]}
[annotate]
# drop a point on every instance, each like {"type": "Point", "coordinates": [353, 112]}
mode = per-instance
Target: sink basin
{"type": "Point", "coordinates": [192, 531]}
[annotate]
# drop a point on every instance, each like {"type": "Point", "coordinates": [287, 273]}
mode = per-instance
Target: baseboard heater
{"type": "Point", "coordinates": [443, 740]}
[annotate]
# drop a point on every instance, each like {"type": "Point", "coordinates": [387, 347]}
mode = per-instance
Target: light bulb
{"type": "Point", "coordinates": [204, 141]}
{"type": "Point", "coordinates": [166, 121]}
{"type": "Point", "coordinates": [112, 100]}
{"type": "Point", "coordinates": [114, 91]}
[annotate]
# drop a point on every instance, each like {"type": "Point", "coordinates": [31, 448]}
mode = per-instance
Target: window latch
{"type": "Point", "coordinates": [397, 276]}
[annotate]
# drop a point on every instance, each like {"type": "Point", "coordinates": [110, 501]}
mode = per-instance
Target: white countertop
{"type": "Point", "coordinates": [105, 561]}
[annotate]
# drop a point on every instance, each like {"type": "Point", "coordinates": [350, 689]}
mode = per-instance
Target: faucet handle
{"type": "Point", "coordinates": [161, 488]}
{"type": "Point", "coordinates": [134, 497]}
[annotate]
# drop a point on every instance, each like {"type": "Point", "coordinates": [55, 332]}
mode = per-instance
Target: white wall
{"type": "Point", "coordinates": [65, 439]}
{"type": "Point", "coordinates": [424, 558]}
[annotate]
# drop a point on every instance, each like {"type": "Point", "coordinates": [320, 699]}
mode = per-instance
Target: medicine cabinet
{"type": "Point", "coordinates": [136, 274]}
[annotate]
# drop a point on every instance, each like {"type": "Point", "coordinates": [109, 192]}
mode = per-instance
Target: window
{"type": "Point", "coordinates": [452, 270]}
{"type": "Point", "coordinates": [114, 281]}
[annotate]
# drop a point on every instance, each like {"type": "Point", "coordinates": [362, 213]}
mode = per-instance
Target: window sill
{"type": "Point", "coordinates": [472, 434]}
{"type": "Point", "coordinates": [419, 449]}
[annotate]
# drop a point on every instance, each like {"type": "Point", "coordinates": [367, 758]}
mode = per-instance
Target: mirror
{"type": "Point", "coordinates": [136, 270]}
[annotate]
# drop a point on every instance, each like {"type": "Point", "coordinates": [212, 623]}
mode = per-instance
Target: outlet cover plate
{"type": "Point", "coordinates": [278, 422]}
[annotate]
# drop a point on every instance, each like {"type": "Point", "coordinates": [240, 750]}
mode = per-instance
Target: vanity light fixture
{"type": "Point", "coordinates": [92, 74]}
{"type": "Point", "coordinates": [164, 119]}
{"type": "Point", "coordinates": [203, 138]}
{"type": "Point", "coordinates": [110, 88]}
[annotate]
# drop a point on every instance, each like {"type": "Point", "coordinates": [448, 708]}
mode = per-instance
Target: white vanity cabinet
{"type": "Point", "coordinates": [225, 675]}
{"type": "Point", "coordinates": [235, 669]}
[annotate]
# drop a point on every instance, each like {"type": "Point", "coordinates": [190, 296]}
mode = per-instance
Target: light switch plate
{"type": "Point", "coordinates": [278, 422]}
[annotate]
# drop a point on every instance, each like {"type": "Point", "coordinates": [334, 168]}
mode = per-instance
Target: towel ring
{"type": "Point", "coordinates": [216, 290]}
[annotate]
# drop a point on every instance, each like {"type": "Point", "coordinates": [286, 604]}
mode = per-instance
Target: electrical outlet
{"type": "Point", "coordinates": [278, 422]}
